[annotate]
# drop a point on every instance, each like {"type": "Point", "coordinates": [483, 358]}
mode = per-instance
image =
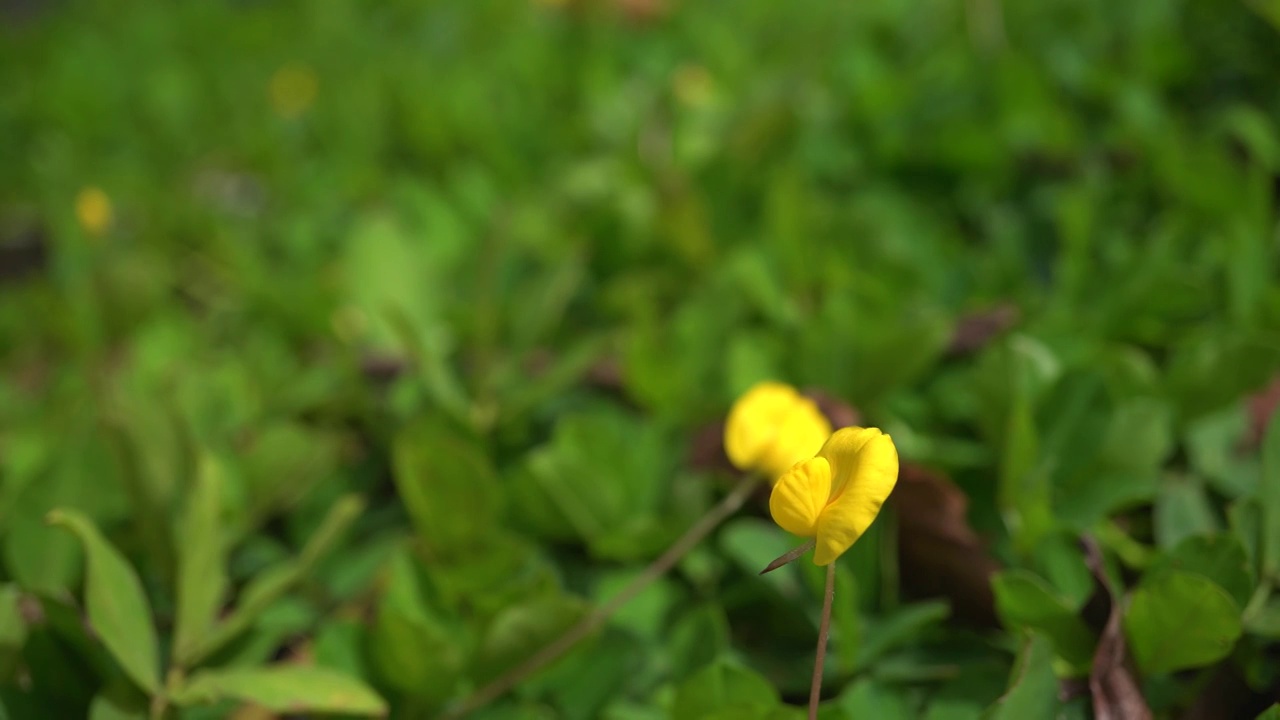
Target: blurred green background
{"type": "Point", "coordinates": [362, 347]}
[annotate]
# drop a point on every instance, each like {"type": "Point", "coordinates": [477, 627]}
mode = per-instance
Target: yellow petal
{"type": "Point", "coordinates": [757, 434]}
{"type": "Point", "coordinates": [799, 496]}
{"type": "Point", "coordinates": [864, 470]}
{"type": "Point", "coordinates": [843, 449]}
{"type": "Point", "coordinates": [800, 435]}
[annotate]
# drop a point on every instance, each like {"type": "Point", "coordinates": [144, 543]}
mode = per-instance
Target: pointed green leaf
{"type": "Point", "coordinates": [202, 577]}
{"type": "Point", "coordinates": [117, 606]}
{"type": "Point", "coordinates": [284, 689]}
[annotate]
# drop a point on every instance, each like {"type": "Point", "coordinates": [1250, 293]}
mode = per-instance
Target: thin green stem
{"type": "Point", "coordinates": [824, 630]}
{"type": "Point", "coordinates": [596, 618]}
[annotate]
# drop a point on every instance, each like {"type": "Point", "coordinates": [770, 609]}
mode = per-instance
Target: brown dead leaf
{"type": "Point", "coordinates": [939, 553]}
{"type": "Point", "coordinates": [644, 11]}
{"type": "Point", "coordinates": [975, 330]}
{"type": "Point", "coordinates": [840, 413]}
{"type": "Point", "coordinates": [1262, 407]}
{"type": "Point", "coordinates": [1112, 681]}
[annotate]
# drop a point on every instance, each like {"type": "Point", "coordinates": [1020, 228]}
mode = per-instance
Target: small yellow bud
{"type": "Point", "coordinates": [93, 211]}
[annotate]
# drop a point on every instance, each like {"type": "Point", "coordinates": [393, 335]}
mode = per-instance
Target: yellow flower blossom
{"type": "Point", "coordinates": [93, 211]}
{"type": "Point", "coordinates": [835, 496]}
{"type": "Point", "coordinates": [772, 427]}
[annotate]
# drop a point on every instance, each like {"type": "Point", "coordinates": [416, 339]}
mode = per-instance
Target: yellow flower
{"type": "Point", "coordinates": [772, 427]}
{"type": "Point", "coordinates": [835, 496]}
{"type": "Point", "coordinates": [93, 211]}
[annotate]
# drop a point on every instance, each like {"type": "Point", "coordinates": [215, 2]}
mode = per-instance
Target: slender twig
{"type": "Point", "coordinates": [597, 617]}
{"type": "Point", "coordinates": [820, 657]}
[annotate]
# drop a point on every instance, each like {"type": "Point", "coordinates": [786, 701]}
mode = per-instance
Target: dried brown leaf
{"type": "Point", "coordinates": [939, 552]}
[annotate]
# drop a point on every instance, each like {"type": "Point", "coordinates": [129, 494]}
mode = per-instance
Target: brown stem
{"type": "Point", "coordinates": [597, 617]}
{"type": "Point", "coordinates": [820, 657]}
{"type": "Point", "coordinates": [789, 556]}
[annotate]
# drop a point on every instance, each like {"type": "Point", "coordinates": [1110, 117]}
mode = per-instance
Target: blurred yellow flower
{"type": "Point", "coordinates": [772, 427]}
{"type": "Point", "coordinates": [835, 496]}
{"type": "Point", "coordinates": [93, 211]}
{"type": "Point", "coordinates": [292, 90]}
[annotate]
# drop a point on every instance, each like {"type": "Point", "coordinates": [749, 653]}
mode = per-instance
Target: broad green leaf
{"type": "Point", "coordinates": [1182, 510]}
{"type": "Point", "coordinates": [448, 486]}
{"type": "Point", "coordinates": [284, 689]}
{"type": "Point", "coordinates": [1033, 687]}
{"type": "Point", "coordinates": [1221, 558]}
{"type": "Point", "coordinates": [720, 690]}
{"type": "Point", "coordinates": [1024, 600]}
{"type": "Point", "coordinates": [202, 576]}
{"type": "Point", "coordinates": [116, 604]}
{"type": "Point", "coordinates": [1177, 620]}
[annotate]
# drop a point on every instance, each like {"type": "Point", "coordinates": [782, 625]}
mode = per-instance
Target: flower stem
{"type": "Point", "coordinates": [820, 657]}
{"type": "Point", "coordinates": [597, 617]}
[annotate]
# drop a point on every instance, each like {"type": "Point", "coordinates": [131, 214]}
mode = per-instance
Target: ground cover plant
{"type": "Point", "coordinates": [352, 353]}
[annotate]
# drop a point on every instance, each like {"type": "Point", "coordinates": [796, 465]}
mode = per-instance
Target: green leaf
{"type": "Point", "coordinates": [723, 690]}
{"type": "Point", "coordinates": [284, 689]}
{"type": "Point", "coordinates": [13, 629]}
{"type": "Point", "coordinates": [696, 639]}
{"type": "Point", "coordinates": [1059, 559]}
{"type": "Point", "coordinates": [1212, 447]}
{"type": "Point", "coordinates": [272, 583]}
{"type": "Point", "coordinates": [1177, 620]}
{"type": "Point", "coordinates": [899, 628]}
{"type": "Point", "coordinates": [1033, 688]}
{"type": "Point", "coordinates": [1182, 510]}
{"type": "Point", "coordinates": [523, 629]}
{"type": "Point", "coordinates": [1269, 494]}
{"type": "Point", "coordinates": [1023, 599]}
{"type": "Point", "coordinates": [1273, 712]}
{"type": "Point", "coordinates": [411, 648]}
{"type": "Point", "coordinates": [1220, 557]}
{"type": "Point", "coordinates": [447, 485]}
{"type": "Point", "coordinates": [107, 707]}
{"type": "Point", "coordinates": [116, 604]}
{"type": "Point", "coordinates": [202, 576]}
{"type": "Point", "coordinates": [869, 699]}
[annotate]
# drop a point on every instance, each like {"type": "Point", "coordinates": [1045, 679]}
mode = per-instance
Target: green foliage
{"type": "Point", "coordinates": [404, 339]}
